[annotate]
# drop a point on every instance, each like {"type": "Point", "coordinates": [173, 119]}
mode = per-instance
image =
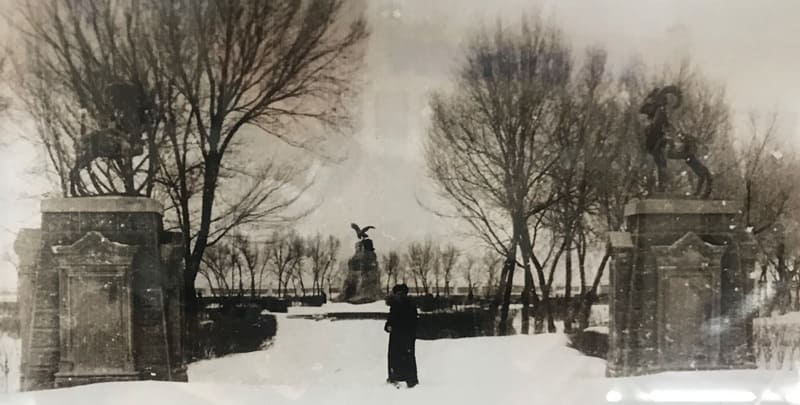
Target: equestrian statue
{"type": "Point", "coordinates": [663, 142]}
{"type": "Point", "coordinates": [119, 139]}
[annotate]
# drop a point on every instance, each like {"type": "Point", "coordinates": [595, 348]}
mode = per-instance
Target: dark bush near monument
{"type": "Point", "coordinates": [471, 322]}
{"type": "Point", "coordinates": [234, 329]}
{"type": "Point", "coordinates": [310, 301]}
{"type": "Point", "coordinates": [590, 343]}
{"type": "Point", "coordinates": [429, 303]}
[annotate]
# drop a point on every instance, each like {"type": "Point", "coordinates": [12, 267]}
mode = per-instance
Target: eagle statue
{"type": "Point", "coordinates": [361, 233]}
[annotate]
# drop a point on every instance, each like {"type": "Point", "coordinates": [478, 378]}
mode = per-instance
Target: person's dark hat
{"type": "Point", "coordinates": [400, 288]}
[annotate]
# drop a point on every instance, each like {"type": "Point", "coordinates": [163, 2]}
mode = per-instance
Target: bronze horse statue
{"type": "Point", "coordinates": [662, 147]}
{"type": "Point", "coordinates": [120, 141]}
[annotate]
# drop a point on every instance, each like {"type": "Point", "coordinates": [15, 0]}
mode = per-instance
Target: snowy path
{"type": "Point", "coordinates": [341, 362]}
{"type": "Point", "coordinates": [344, 362]}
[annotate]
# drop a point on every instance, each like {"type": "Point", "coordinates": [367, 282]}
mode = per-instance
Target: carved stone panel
{"type": "Point", "coordinates": [687, 311]}
{"type": "Point", "coordinates": [688, 315]}
{"type": "Point", "coordinates": [96, 328]}
{"type": "Point", "coordinates": [96, 323]}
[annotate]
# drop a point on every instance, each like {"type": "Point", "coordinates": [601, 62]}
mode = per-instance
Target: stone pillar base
{"type": "Point", "coordinates": [72, 379]}
{"type": "Point", "coordinates": [679, 285]}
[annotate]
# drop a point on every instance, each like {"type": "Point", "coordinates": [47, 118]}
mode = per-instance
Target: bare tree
{"type": "Point", "coordinates": [270, 65]}
{"type": "Point", "coordinates": [448, 257]}
{"type": "Point", "coordinates": [322, 256]}
{"type": "Point", "coordinates": [421, 257]}
{"type": "Point", "coordinates": [335, 276]}
{"type": "Point", "coordinates": [589, 115]}
{"type": "Point", "coordinates": [490, 149]}
{"type": "Point", "coordinates": [390, 263]}
{"type": "Point", "coordinates": [219, 269]}
{"type": "Point", "coordinates": [254, 259]}
{"type": "Point", "coordinates": [286, 255]}
{"type": "Point", "coordinates": [297, 274]}
{"type": "Point", "coordinates": [768, 190]}
{"type": "Point", "coordinates": [73, 52]}
{"type": "Point", "coordinates": [468, 271]}
{"type": "Point", "coordinates": [332, 248]}
{"type": "Point", "coordinates": [208, 70]}
{"type": "Point", "coordinates": [436, 270]}
{"type": "Point", "coordinates": [490, 264]}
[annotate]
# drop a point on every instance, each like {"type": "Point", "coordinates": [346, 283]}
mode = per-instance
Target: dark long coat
{"type": "Point", "coordinates": [403, 323]}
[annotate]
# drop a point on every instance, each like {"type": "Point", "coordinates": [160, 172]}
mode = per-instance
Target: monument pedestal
{"type": "Point", "coordinates": [104, 288]}
{"type": "Point", "coordinates": [679, 280]}
{"type": "Point", "coordinates": [362, 283]}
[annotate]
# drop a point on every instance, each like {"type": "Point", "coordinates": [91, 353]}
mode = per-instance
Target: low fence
{"type": "Point", "coordinates": [271, 304]}
{"type": "Point", "coordinates": [776, 342]}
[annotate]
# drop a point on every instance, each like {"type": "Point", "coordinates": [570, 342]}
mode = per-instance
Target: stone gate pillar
{"type": "Point", "coordinates": [103, 294]}
{"type": "Point", "coordinates": [679, 284]}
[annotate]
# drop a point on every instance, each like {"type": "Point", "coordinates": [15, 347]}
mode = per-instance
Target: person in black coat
{"type": "Point", "coordinates": [402, 328]}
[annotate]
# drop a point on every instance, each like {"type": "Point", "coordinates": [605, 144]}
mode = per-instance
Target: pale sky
{"type": "Point", "coordinates": [753, 47]}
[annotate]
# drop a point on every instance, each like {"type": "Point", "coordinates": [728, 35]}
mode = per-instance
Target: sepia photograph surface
{"type": "Point", "coordinates": [399, 201]}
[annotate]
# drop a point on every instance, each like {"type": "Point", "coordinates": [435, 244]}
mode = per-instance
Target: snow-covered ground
{"type": "Point", "coordinates": [378, 306]}
{"type": "Point", "coordinates": [344, 362]}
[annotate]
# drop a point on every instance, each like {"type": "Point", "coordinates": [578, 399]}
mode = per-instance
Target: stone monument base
{"type": "Point", "coordinates": [679, 282]}
{"type": "Point", "coordinates": [100, 288]}
{"type": "Point", "coordinates": [362, 284]}
{"type": "Point", "coordinates": [63, 380]}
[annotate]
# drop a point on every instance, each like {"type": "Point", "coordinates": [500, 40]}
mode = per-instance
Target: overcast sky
{"type": "Point", "coordinates": [750, 46]}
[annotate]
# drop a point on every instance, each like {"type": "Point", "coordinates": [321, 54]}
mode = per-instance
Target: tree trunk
{"type": "Point", "coordinates": [785, 289]}
{"type": "Point", "coordinates": [568, 288]}
{"type": "Point", "coordinates": [191, 312]}
{"type": "Point", "coordinates": [494, 308]}
{"type": "Point", "coordinates": [543, 307]}
{"type": "Point", "coordinates": [526, 298]}
{"type": "Point", "coordinates": [191, 317]}
{"type": "Point", "coordinates": [528, 292]}
{"type": "Point", "coordinates": [538, 314]}
{"type": "Point", "coordinates": [241, 282]}
{"type": "Point", "coordinates": [585, 309]}
{"type": "Point", "coordinates": [505, 323]}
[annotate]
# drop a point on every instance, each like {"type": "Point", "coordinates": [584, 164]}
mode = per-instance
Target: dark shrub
{"type": "Point", "coordinates": [310, 301]}
{"type": "Point", "coordinates": [234, 329]}
{"type": "Point", "coordinates": [470, 322]}
{"type": "Point", "coordinates": [431, 303]}
{"type": "Point", "coordinates": [467, 323]}
{"type": "Point", "coordinates": [590, 343]}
